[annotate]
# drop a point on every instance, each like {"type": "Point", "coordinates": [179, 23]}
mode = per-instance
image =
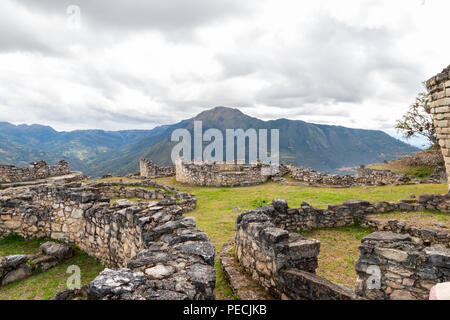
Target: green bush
{"type": "Point", "coordinates": [257, 203]}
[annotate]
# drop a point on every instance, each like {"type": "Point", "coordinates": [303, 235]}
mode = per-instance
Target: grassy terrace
{"type": "Point", "coordinates": [43, 286]}
{"type": "Point", "coordinates": [215, 216]}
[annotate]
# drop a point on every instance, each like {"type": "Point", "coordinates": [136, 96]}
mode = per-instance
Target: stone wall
{"type": "Point", "coordinates": [315, 178]}
{"type": "Point", "coordinates": [162, 254]}
{"type": "Point", "coordinates": [37, 170]}
{"type": "Point", "coordinates": [353, 211]}
{"type": "Point", "coordinates": [222, 174]}
{"type": "Point", "coordinates": [439, 95]}
{"type": "Point", "coordinates": [393, 266]}
{"type": "Point", "coordinates": [150, 170]}
{"type": "Point", "coordinates": [279, 260]}
{"type": "Point", "coordinates": [284, 263]}
{"type": "Point", "coordinates": [231, 175]}
{"type": "Point", "coordinates": [368, 176]}
{"type": "Point", "coordinates": [363, 177]}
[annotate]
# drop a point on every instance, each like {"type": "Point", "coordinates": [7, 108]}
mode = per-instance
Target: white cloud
{"type": "Point", "coordinates": [136, 64]}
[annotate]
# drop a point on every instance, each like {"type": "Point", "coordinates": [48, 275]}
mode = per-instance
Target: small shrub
{"type": "Point", "coordinates": [257, 203]}
{"type": "Point", "coordinates": [420, 172]}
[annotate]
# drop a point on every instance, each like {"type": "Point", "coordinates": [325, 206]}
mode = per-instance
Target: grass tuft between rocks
{"type": "Point", "coordinates": [44, 285]}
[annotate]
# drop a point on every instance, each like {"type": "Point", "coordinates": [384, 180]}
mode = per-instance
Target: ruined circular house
{"type": "Point", "coordinates": [222, 174]}
{"type": "Point", "coordinates": [397, 261]}
{"type": "Point", "coordinates": [152, 251]}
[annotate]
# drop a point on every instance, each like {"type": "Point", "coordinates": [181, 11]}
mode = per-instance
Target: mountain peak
{"type": "Point", "coordinates": [219, 112]}
{"type": "Point", "coordinates": [227, 118]}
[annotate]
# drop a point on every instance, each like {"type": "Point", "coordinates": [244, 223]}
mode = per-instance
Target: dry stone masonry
{"type": "Point", "coordinates": [439, 94]}
{"type": "Point", "coordinates": [410, 259]}
{"type": "Point", "coordinates": [150, 170]}
{"type": "Point", "coordinates": [408, 269]}
{"type": "Point", "coordinates": [363, 177]}
{"type": "Point", "coordinates": [353, 211]}
{"type": "Point", "coordinates": [283, 263]}
{"type": "Point", "coordinates": [238, 174]}
{"type": "Point", "coordinates": [159, 253]}
{"type": "Point", "coordinates": [222, 174]}
{"type": "Point", "coordinates": [37, 170]}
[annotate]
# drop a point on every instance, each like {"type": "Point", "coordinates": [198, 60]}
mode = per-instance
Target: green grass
{"type": "Point", "coordinates": [338, 252]}
{"type": "Point", "coordinates": [43, 286]}
{"type": "Point", "coordinates": [215, 216]}
{"type": "Point", "coordinates": [424, 219]}
{"type": "Point", "coordinates": [15, 244]}
{"type": "Point", "coordinates": [420, 172]}
{"type": "Point", "coordinates": [223, 289]}
{"type": "Point", "coordinates": [112, 179]}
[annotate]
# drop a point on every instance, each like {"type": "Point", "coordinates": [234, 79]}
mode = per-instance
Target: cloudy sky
{"type": "Point", "coordinates": [136, 64]}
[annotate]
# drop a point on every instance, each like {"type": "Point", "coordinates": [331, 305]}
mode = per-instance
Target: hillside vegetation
{"type": "Point", "coordinates": [421, 165]}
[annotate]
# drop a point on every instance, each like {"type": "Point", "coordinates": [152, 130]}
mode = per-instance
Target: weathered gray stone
{"type": "Point", "coordinates": [13, 261]}
{"type": "Point", "coordinates": [203, 249]}
{"type": "Point", "coordinates": [386, 236]}
{"type": "Point", "coordinates": [280, 205]}
{"type": "Point", "coordinates": [20, 273]}
{"type": "Point", "coordinates": [115, 282]}
{"type": "Point", "coordinates": [392, 254]}
{"type": "Point", "coordinates": [159, 272]}
{"type": "Point", "coordinates": [58, 250]}
{"type": "Point", "coordinates": [438, 256]}
{"type": "Point", "coordinates": [307, 285]}
{"type": "Point", "coordinates": [402, 295]}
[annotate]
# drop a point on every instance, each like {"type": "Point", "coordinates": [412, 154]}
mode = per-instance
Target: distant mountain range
{"type": "Point", "coordinates": [96, 152]}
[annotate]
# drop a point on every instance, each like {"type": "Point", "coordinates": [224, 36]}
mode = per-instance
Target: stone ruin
{"type": "Point", "coordinates": [37, 170]}
{"type": "Point", "coordinates": [150, 170]}
{"type": "Point", "coordinates": [152, 251]}
{"type": "Point", "coordinates": [410, 260]}
{"type": "Point", "coordinates": [363, 177]}
{"type": "Point", "coordinates": [222, 174]}
{"type": "Point", "coordinates": [21, 266]}
{"type": "Point", "coordinates": [241, 174]}
{"type": "Point", "coordinates": [439, 95]}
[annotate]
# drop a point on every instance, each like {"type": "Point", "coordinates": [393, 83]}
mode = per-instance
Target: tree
{"type": "Point", "coordinates": [418, 121]}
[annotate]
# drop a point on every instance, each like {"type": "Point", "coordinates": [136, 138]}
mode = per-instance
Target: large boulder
{"type": "Point", "coordinates": [58, 250]}
{"type": "Point", "coordinates": [20, 273]}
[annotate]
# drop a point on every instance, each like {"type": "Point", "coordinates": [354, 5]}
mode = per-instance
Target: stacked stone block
{"type": "Point", "coordinates": [222, 174]}
{"type": "Point", "coordinates": [410, 261]}
{"type": "Point", "coordinates": [150, 170]}
{"type": "Point", "coordinates": [36, 171]}
{"type": "Point", "coordinates": [264, 250]}
{"type": "Point", "coordinates": [439, 95]}
{"type": "Point", "coordinates": [161, 255]}
{"type": "Point", "coordinates": [363, 177]}
{"type": "Point", "coordinates": [393, 266]}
